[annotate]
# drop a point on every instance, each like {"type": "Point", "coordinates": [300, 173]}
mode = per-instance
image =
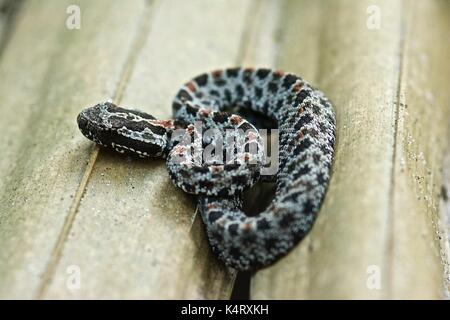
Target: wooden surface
{"type": "Point", "coordinates": [65, 203]}
{"type": "Point", "coordinates": [392, 105]}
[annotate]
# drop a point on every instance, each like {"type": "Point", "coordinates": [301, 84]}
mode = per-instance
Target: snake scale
{"type": "Point", "coordinates": [306, 127]}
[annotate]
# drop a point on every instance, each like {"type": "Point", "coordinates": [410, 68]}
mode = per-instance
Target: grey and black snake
{"type": "Point", "coordinates": [306, 124]}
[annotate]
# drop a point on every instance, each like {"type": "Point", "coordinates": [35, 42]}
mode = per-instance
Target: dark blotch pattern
{"type": "Point", "coordinates": [201, 80]}
{"type": "Point", "coordinates": [307, 134]}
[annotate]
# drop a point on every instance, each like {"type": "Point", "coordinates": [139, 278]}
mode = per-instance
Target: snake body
{"type": "Point", "coordinates": [306, 123]}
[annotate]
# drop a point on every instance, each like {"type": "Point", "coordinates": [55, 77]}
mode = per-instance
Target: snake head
{"type": "Point", "coordinates": [126, 131]}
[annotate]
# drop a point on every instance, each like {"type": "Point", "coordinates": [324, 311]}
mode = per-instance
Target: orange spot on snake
{"type": "Point", "coordinates": [168, 124]}
{"type": "Point", "coordinates": [191, 86]}
{"type": "Point", "coordinates": [235, 119]}
{"type": "Point", "coordinates": [279, 73]}
{"type": "Point", "coordinates": [217, 73]}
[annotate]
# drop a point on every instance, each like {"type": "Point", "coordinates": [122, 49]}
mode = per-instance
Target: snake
{"type": "Point", "coordinates": [221, 101]}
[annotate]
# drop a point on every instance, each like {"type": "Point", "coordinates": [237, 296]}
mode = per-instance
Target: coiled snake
{"type": "Point", "coordinates": [306, 126]}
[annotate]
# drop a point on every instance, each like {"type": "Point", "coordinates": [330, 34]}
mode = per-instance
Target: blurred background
{"type": "Point", "coordinates": [80, 222]}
